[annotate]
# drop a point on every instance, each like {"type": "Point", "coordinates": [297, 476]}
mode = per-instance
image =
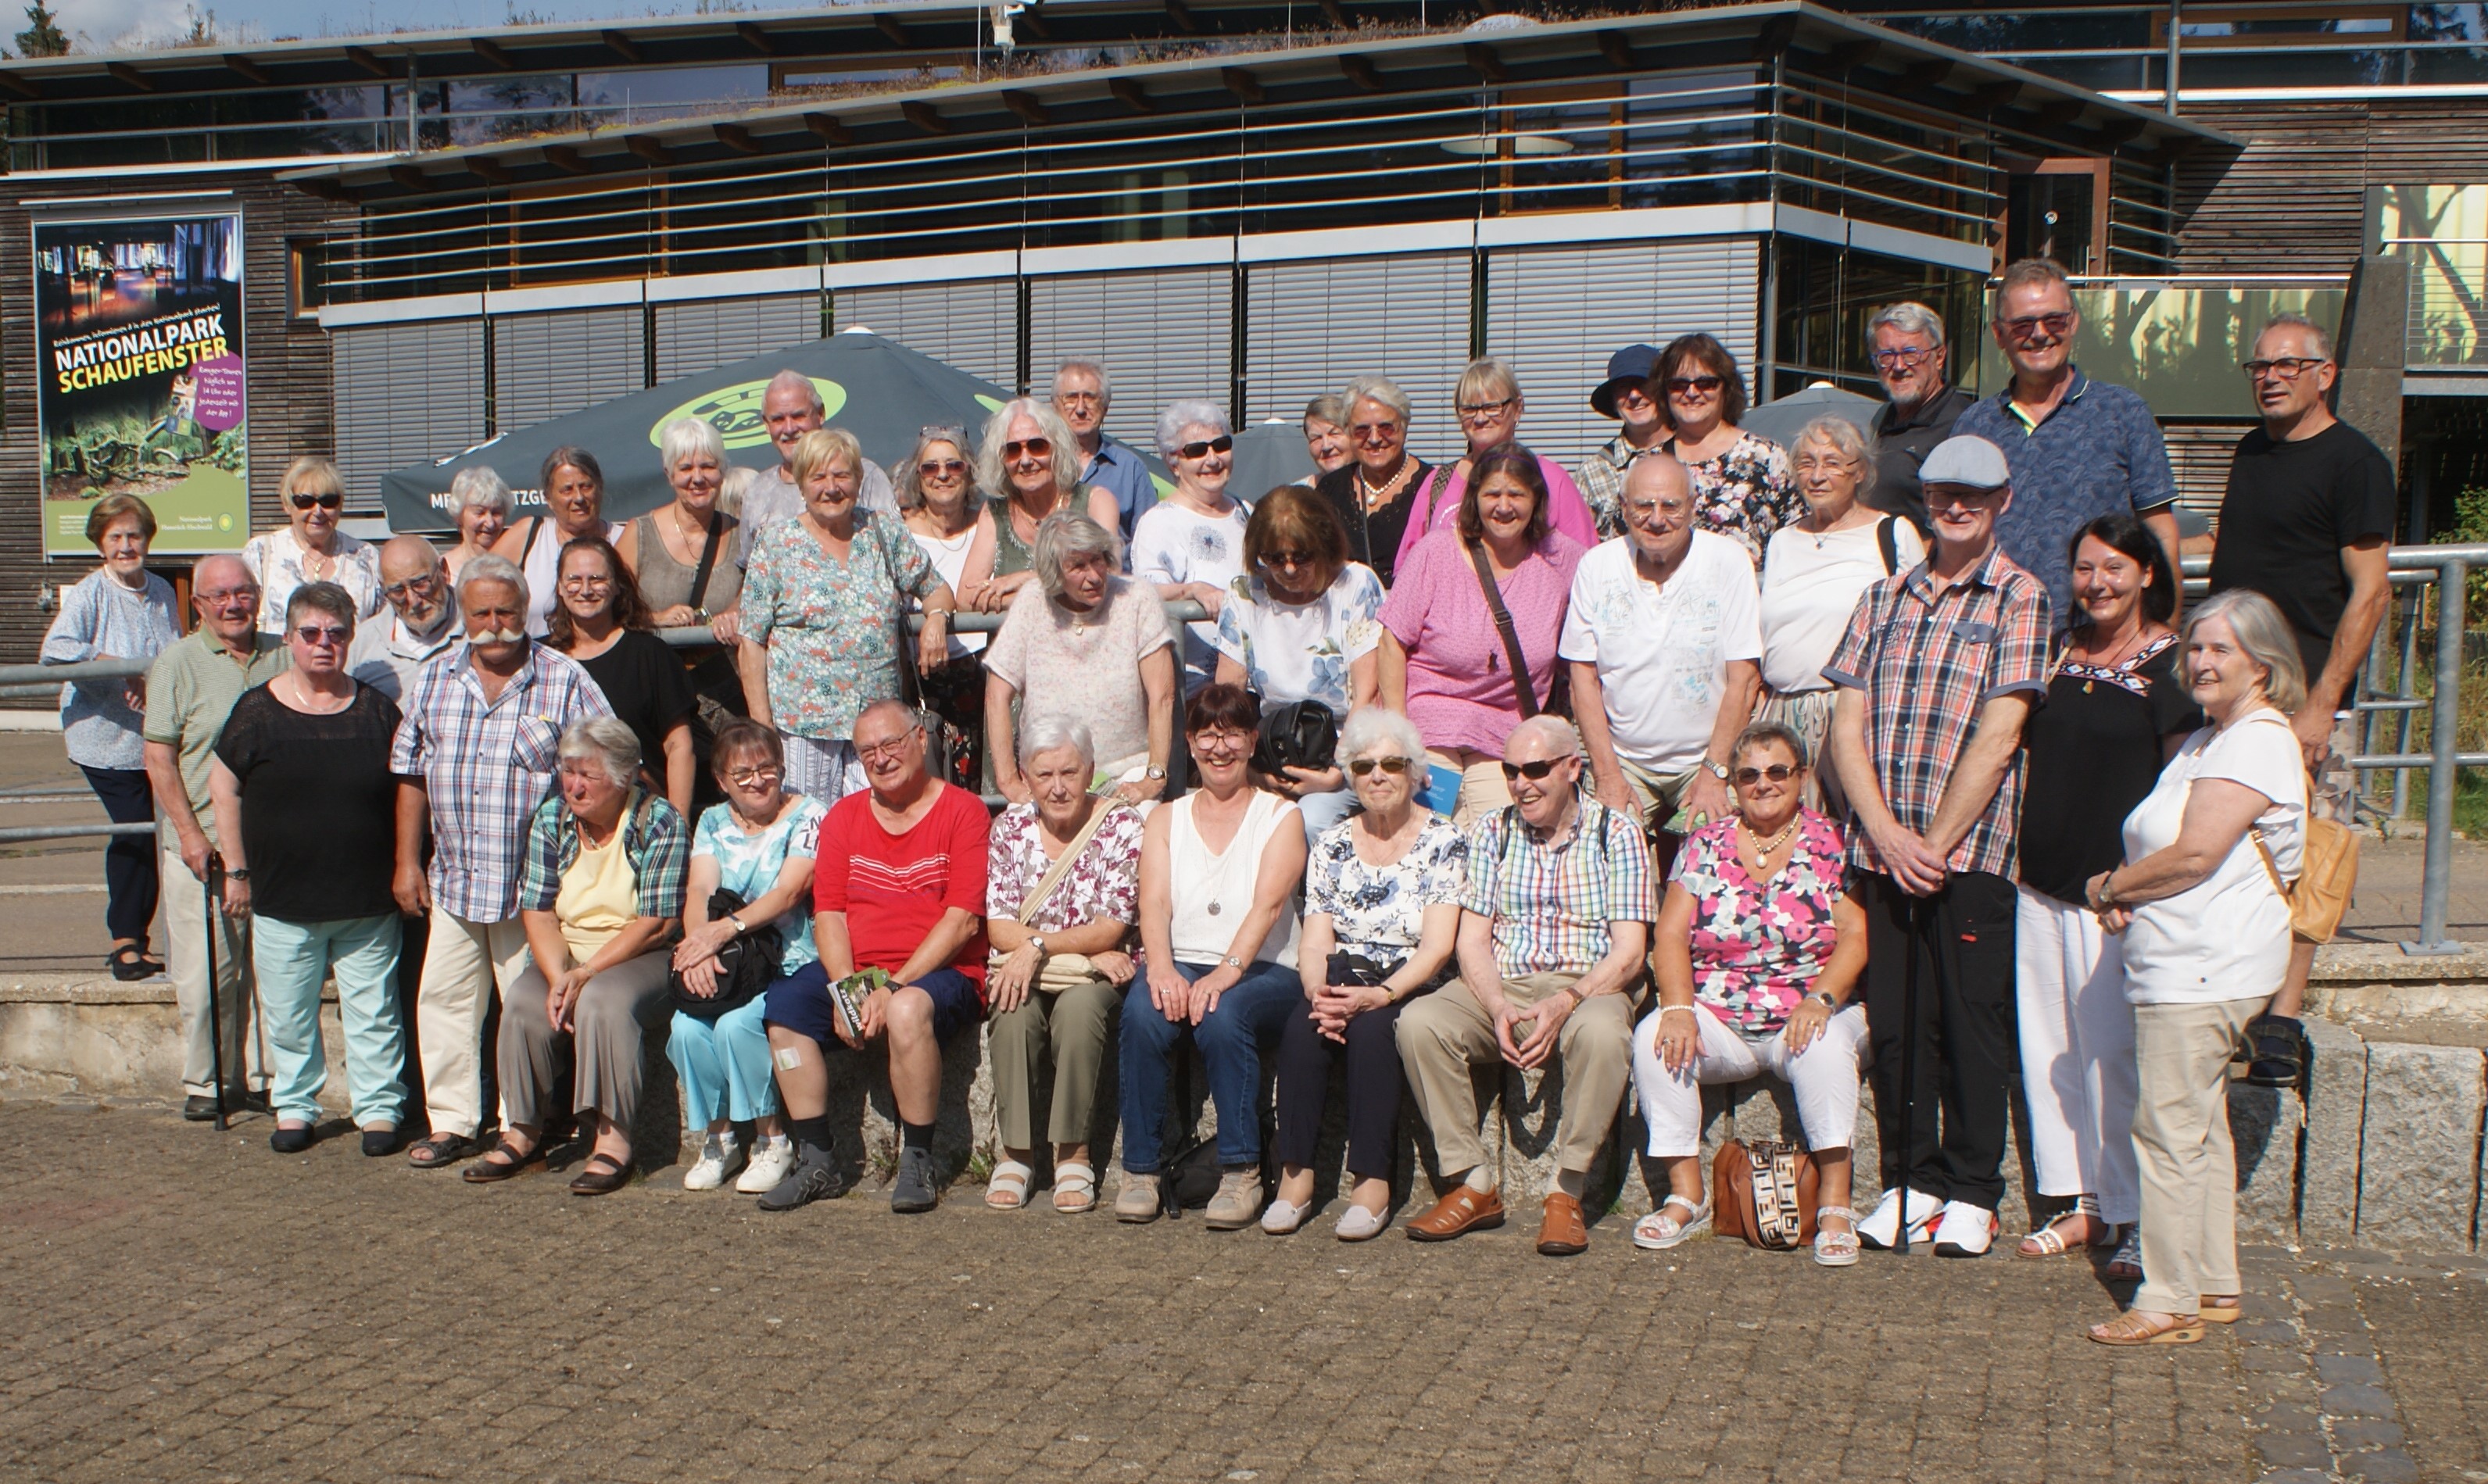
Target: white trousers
{"type": "Point", "coordinates": [821, 768]}
{"type": "Point", "coordinates": [464, 962]}
{"type": "Point", "coordinates": [186, 927]}
{"type": "Point", "coordinates": [2076, 1054]}
{"type": "Point", "coordinates": [1825, 1077]}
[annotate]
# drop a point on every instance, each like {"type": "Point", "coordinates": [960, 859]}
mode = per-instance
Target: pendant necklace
{"type": "Point", "coordinates": [1764, 848]}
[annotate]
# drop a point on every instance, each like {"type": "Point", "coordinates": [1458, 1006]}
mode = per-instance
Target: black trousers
{"type": "Point", "coordinates": [129, 860]}
{"type": "Point", "coordinates": [1375, 1085]}
{"type": "Point", "coordinates": [1964, 1030]}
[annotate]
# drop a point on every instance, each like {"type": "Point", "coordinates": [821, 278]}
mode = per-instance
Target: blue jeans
{"type": "Point", "coordinates": [291, 960]}
{"type": "Point", "coordinates": [724, 1064]}
{"type": "Point", "coordinates": [1322, 811]}
{"type": "Point", "coordinates": [1249, 1017]}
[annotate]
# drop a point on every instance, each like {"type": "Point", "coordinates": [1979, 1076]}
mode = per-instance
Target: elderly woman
{"type": "Point", "coordinates": [600, 895]}
{"type": "Point", "coordinates": [824, 606]}
{"type": "Point", "coordinates": [482, 498]}
{"type": "Point", "coordinates": [1444, 664]}
{"type": "Point", "coordinates": [1374, 491]}
{"type": "Point", "coordinates": [1030, 464]}
{"type": "Point", "coordinates": [310, 547]}
{"type": "Point", "coordinates": [1061, 893]}
{"type": "Point", "coordinates": [1756, 958]}
{"type": "Point", "coordinates": [939, 500]}
{"type": "Point", "coordinates": [2202, 903]}
{"type": "Point", "coordinates": [1302, 627]}
{"type": "Point", "coordinates": [1489, 402]}
{"type": "Point", "coordinates": [1191, 544]}
{"type": "Point", "coordinates": [1327, 436]}
{"type": "Point", "coordinates": [1740, 480]}
{"type": "Point", "coordinates": [574, 499]}
{"type": "Point", "coordinates": [604, 623]}
{"type": "Point", "coordinates": [118, 612]}
{"type": "Point", "coordinates": [2115, 713]}
{"type": "Point", "coordinates": [1813, 570]}
{"type": "Point", "coordinates": [1382, 906]}
{"type": "Point", "coordinates": [1219, 869]}
{"type": "Point", "coordinates": [306, 814]}
{"type": "Point", "coordinates": [683, 553]}
{"type": "Point", "coordinates": [751, 870]}
{"type": "Point", "coordinates": [1085, 646]}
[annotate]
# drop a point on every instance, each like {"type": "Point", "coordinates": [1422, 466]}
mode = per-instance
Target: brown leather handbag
{"type": "Point", "coordinates": [2327, 876]}
{"type": "Point", "coordinates": [1764, 1192]}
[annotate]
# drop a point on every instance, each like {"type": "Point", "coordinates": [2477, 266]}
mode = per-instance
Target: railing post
{"type": "Point", "coordinates": [2451, 580]}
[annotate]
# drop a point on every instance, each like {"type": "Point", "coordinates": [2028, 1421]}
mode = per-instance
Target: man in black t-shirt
{"type": "Point", "coordinates": [2306, 522]}
{"type": "Point", "coordinates": [1906, 347]}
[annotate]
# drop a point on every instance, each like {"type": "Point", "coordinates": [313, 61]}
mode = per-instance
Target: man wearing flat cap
{"type": "Point", "coordinates": [1624, 396]}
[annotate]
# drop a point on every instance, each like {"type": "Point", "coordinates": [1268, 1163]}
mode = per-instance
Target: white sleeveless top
{"type": "Point", "coordinates": [1212, 892]}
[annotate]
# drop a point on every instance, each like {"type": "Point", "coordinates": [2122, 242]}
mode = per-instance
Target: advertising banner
{"type": "Point", "coordinates": [138, 332]}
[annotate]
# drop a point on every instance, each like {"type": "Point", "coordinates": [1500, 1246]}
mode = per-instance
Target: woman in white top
{"type": "Point", "coordinates": [1219, 869]}
{"type": "Point", "coordinates": [2201, 907]}
{"type": "Point", "coordinates": [1813, 570]}
{"type": "Point", "coordinates": [482, 497]}
{"type": "Point", "coordinates": [939, 502]}
{"type": "Point", "coordinates": [310, 547]}
{"type": "Point", "coordinates": [572, 492]}
{"type": "Point", "coordinates": [1191, 544]}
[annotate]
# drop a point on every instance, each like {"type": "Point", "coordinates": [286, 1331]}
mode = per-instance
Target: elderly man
{"type": "Point", "coordinates": [475, 754]}
{"type": "Point", "coordinates": [1906, 346]}
{"type": "Point", "coordinates": [1081, 394]}
{"type": "Point", "coordinates": [2307, 521]}
{"type": "Point", "coordinates": [791, 406]}
{"type": "Point", "coordinates": [1664, 638]}
{"type": "Point", "coordinates": [1554, 929]}
{"type": "Point", "coordinates": [421, 623]}
{"type": "Point", "coordinates": [898, 897]}
{"type": "Point", "coordinates": [1623, 397]}
{"type": "Point", "coordinates": [190, 690]}
{"type": "Point", "coordinates": [1939, 668]}
{"type": "Point", "coordinates": [2077, 449]}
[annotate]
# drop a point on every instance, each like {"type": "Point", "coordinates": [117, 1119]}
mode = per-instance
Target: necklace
{"type": "Point", "coordinates": [1762, 848]}
{"type": "Point", "coordinates": [2142, 637]}
{"type": "Point", "coordinates": [1389, 489]}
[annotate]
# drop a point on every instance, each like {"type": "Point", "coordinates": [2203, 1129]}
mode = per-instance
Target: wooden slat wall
{"type": "Point", "coordinates": [2294, 201]}
{"type": "Point", "coordinates": [2198, 455]}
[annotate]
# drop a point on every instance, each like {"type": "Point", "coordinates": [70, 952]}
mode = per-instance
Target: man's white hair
{"type": "Point", "coordinates": [1561, 739]}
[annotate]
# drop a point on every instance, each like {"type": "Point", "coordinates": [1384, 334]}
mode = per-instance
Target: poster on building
{"type": "Point", "coordinates": [138, 332]}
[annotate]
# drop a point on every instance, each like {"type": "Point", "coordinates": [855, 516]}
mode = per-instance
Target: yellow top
{"type": "Point", "coordinates": [598, 897]}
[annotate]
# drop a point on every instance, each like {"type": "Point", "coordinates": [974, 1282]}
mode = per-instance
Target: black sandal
{"type": "Point", "coordinates": [441, 1151]}
{"type": "Point", "coordinates": [517, 1162]}
{"type": "Point", "coordinates": [130, 964]}
{"type": "Point", "coordinates": [595, 1182]}
{"type": "Point", "coordinates": [2276, 1052]}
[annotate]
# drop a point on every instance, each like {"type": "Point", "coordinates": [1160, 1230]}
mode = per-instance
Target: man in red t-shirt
{"type": "Point", "coordinates": [899, 885]}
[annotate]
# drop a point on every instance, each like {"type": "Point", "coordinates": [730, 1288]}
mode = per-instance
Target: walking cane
{"type": "Point", "coordinates": [215, 1004]}
{"type": "Point", "coordinates": [1910, 1057]}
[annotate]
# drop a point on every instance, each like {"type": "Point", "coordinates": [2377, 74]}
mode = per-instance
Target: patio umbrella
{"type": "Point", "coordinates": [1268, 455]}
{"type": "Point", "coordinates": [1783, 420]}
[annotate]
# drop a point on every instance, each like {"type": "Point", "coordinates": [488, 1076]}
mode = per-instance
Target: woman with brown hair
{"type": "Point", "coordinates": [1742, 486]}
{"type": "Point", "coordinates": [1489, 404]}
{"type": "Point", "coordinates": [573, 494]}
{"type": "Point", "coordinates": [602, 622]}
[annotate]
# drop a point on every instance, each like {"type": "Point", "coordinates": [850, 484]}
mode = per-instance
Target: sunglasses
{"type": "Point", "coordinates": [1217, 446]}
{"type": "Point", "coordinates": [1364, 767]}
{"type": "Point", "coordinates": [1533, 772]}
{"type": "Point", "coordinates": [2029, 326]}
{"type": "Point", "coordinates": [322, 634]}
{"type": "Point", "coordinates": [935, 468]}
{"type": "Point", "coordinates": [327, 500]}
{"type": "Point", "coordinates": [1678, 386]}
{"type": "Point", "coordinates": [1287, 560]}
{"type": "Point", "coordinates": [1777, 772]}
{"type": "Point", "coordinates": [1037, 446]}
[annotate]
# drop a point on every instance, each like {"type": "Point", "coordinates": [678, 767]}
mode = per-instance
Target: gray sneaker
{"type": "Point", "coordinates": [1238, 1202]}
{"type": "Point", "coordinates": [1139, 1201]}
{"type": "Point", "coordinates": [912, 1191]}
{"type": "Point", "coordinates": [812, 1179]}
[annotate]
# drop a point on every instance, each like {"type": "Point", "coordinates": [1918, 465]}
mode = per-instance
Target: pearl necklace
{"type": "Point", "coordinates": [1389, 489]}
{"type": "Point", "coordinates": [1762, 848]}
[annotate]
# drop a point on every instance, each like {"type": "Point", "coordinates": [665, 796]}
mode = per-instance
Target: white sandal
{"type": "Point", "coordinates": [1659, 1231]}
{"type": "Point", "coordinates": [1007, 1188]}
{"type": "Point", "coordinates": [1835, 1248]}
{"type": "Point", "coordinates": [1075, 1188]}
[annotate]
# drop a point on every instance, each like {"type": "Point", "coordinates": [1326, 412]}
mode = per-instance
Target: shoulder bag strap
{"type": "Point", "coordinates": [2271, 867]}
{"type": "Point", "coordinates": [535, 524]}
{"type": "Point", "coordinates": [1520, 687]}
{"type": "Point", "coordinates": [1889, 544]}
{"type": "Point", "coordinates": [1062, 867]}
{"type": "Point", "coordinates": [707, 559]}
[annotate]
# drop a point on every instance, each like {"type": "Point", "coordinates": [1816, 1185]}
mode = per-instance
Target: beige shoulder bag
{"type": "Point", "coordinates": [1061, 970]}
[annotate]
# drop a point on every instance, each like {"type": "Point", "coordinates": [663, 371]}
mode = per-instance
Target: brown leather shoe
{"type": "Point", "coordinates": [1457, 1214]}
{"type": "Point", "coordinates": [1561, 1232]}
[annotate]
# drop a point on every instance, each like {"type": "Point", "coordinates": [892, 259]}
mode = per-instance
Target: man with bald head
{"type": "Point", "coordinates": [423, 620]}
{"type": "Point", "coordinates": [190, 690]}
{"type": "Point", "coordinates": [792, 407]}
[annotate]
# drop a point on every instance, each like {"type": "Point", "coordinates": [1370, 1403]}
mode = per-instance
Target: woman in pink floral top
{"type": "Point", "coordinates": [1756, 958]}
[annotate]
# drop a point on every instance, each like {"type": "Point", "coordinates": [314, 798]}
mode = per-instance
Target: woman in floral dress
{"type": "Point", "coordinates": [1742, 484]}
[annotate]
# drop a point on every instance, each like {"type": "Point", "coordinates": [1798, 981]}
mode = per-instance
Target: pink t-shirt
{"type": "Point", "coordinates": [1566, 510]}
{"type": "Point", "coordinates": [1460, 683]}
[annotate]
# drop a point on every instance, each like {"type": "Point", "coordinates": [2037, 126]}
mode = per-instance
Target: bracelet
{"type": "Point", "coordinates": [1664, 1009]}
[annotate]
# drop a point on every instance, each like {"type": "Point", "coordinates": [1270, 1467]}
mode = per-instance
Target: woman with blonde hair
{"type": "Point", "coordinates": [310, 547]}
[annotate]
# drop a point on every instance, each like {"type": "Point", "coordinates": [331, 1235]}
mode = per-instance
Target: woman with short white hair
{"type": "Point", "coordinates": [1377, 486]}
{"type": "Point", "coordinates": [482, 499]}
{"type": "Point", "coordinates": [1190, 545]}
{"type": "Point", "coordinates": [1027, 463]}
{"type": "Point", "coordinates": [683, 552]}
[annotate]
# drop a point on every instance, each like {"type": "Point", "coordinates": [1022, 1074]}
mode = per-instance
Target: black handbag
{"type": "Point", "coordinates": [745, 966]}
{"type": "Point", "coordinates": [1300, 734]}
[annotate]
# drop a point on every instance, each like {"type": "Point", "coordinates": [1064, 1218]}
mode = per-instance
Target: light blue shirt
{"type": "Point", "coordinates": [99, 617]}
{"type": "Point", "coordinates": [748, 865]}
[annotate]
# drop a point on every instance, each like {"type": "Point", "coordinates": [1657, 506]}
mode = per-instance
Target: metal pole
{"type": "Point", "coordinates": [216, 1005]}
{"type": "Point", "coordinates": [2442, 771]}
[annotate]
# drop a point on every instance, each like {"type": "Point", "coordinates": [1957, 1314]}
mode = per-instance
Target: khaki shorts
{"type": "Point", "coordinates": [1661, 795]}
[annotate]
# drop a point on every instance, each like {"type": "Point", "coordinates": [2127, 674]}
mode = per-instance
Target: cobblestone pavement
{"type": "Point", "coordinates": [184, 1304]}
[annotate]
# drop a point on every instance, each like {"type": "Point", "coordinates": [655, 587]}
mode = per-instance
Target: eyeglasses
{"type": "Point", "coordinates": [1829, 463]}
{"type": "Point", "coordinates": [1097, 397]}
{"type": "Point", "coordinates": [889, 747]}
{"type": "Point", "coordinates": [1221, 740]}
{"type": "Point", "coordinates": [1375, 432]}
{"type": "Point", "coordinates": [327, 499]}
{"type": "Point", "coordinates": [1678, 386]}
{"type": "Point", "coordinates": [1285, 561]}
{"type": "Point", "coordinates": [1533, 772]}
{"type": "Point", "coordinates": [1217, 446]}
{"type": "Point", "coordinates": [219, 599]}
{"type": "Point", "coordinates": [935, 468]}
{"type": "Point", "coordinates": [1487, 408]}
{"type": "Point", "coordinates": [2289, 367]}
{"type": "Point", "coordinates": [1777, 772]}
{"type": "Point", "coordinates": [411, 587]}
{"type": "Point", "coordinates": [1900, 357]}
{"type": "Point", "coordinates": [322, 634]}
{"type": "Point", "coordinates": [1040, 447]}
{"type": "Point", "coordinates": [1364, 767]}
{"type": "Point", "coordinates": [754, 777]}
{"type": "Point", "coordinates": [581, 581]}
{"type": "Point", "coordinates": [2028, 327]}
{"type": "Point", "coordinates": [1632, 394]}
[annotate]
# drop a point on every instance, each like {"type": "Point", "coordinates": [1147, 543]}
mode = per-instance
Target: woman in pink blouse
{"type": "Point", "coordinates": [1444, 661]}
{"type": "Point", "coordinates": [1489, 404]}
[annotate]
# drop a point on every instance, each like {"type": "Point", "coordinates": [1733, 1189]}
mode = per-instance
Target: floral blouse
{"type": "Point", "coordinates": [1757, 946]}
{"type": "Point", "coordinates": [832, 627]}
{"type": "Point", "coordinates": [1746, 492]}
{"type": "Point", "coordinates": [275, 559]}
{"type": "Point", "coordinates": [1302, 650]}
{"type": "Point", "coordinates": [1105, 881]}
{"type": "Point", "coordinates": [1379, 911]}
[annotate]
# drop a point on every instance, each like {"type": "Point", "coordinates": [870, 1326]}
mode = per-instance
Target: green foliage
{"type": "Point", "coordinates": [43, 36]}
{"type": "Point", "coordinates": [2471, 528]}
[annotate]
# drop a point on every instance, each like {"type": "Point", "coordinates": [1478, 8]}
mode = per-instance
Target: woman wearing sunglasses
{"type": "Point", "coordinates": [1756, 958]}
{"type": "Point", "coordinates": [1191, 544]}
{"type": "Point", "coordinates": [310, 547]}
{"type": "Point", "coordinates": [939, 502]}
{"type": "Point", "coordinates": [1028, 467]}
{"type": "Point", "coordinates": [1489, 404]}
{"type": "Point", "coordinates": [1742, 486]}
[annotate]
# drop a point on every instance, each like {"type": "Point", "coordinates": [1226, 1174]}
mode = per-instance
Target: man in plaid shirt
{"type": "Point", "coordinates": [475, 755]}
{"type": "Point", "coordinates": [1939, 668]}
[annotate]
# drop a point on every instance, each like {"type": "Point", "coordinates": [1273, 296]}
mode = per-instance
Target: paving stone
{"type": "Point", "coordinates": [2336, 1101]}
{"type": "Point", "coordinates": [2293, 1450]}
{"type": "Point", "coordinates": [2418, 1180]}
{"type": "Point", "coordinates": [2265, 1123]}
{"type": "Point", "coordinates": [2349, 1370]}
{"type": "Point", "coordinates": [2356, 1401]}
{"type": "Point", "coordinates": [2359, 1433]}
{"type": "Point", "coordinates": [2386, 1466]}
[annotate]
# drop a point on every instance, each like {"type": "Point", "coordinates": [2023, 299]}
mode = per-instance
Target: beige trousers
{"type": "Point", "coordinates": [1445, 1034]}
{"type": "Point", "coordinates": [2181, 1140]}
{"type": "Point", "coordinates": [1070, 1028]}
{"type": "Point", "coordinates": [186, 962]}
{"type": "Point", "coordinates": [462, 963]}
{"type": "Point", "coordinates": [1482, 790]}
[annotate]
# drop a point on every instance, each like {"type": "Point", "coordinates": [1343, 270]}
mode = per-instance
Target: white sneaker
{"type": "Point", "coordinates": [720, 1157]}
{"type": "Point", "coordinates": [1966, 1231]}
{"type": "Point", "coordinates": [1882, 1230]}
{"type": "Point", "coordinates": [771, 1164]}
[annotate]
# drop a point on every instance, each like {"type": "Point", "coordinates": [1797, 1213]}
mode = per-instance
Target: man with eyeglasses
{"type": "Point", "coordinates": [791, 406]}
{"type": "Point", "coordinates": [1081, 394]}
{"type": "Point", "coordinates": [1623, 397]}
{"type": "Point", "coordinates": [423, 620]}
{"type": "Point", "coordinates": [2307, 521]}
{"type": "Point", "coordinates": [190, 690]}
{"type": "Point", "coordinates": [1906, 347]}
{"type": "Point", "coordinates": [1554, 928]}
{"type": "Point", "coordinates": [2078, 449]}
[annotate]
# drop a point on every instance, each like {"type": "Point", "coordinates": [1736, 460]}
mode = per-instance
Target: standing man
{"type": "Point", "coordinates": [1081, 394]}
{"type": "Point", "coordinates": [423, 620]}
{"type": "Point", "coordinates": [190, 690]}
{"type": "Point", "coordinates": [791, 406]}
{"type": "Point", "coordinates": [1906, 346]}
{"type": "Point", "coordinates": [476, 753]}
{"type": "Point", "coordinates": [1665, 640]}
{"type": "Point", "coordinates": [2307, 523]}
{"type": "Point", "coordinates": [1624, 396]}
{"type": "Point", "coordinates": [2078, 449]}
{"type": "Point", "coordinates": [1938, 670]}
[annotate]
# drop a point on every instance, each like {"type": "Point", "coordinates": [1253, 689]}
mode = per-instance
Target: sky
{"type": "Point", "coordinates": [99, 25]}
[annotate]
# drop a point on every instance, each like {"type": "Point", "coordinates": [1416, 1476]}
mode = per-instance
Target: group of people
{"type": "Point", "coordinates": [1886, 755]}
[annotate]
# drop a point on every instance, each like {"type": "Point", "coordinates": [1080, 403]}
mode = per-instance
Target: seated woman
{"type": "Point", "coordinates": [1758, 955]}
{"type": "Point", "coordinates": [1382, 908]}
{"type": "Point", "coordinates": [759, 845]}
{"type": "Point", "coordinates": [600, 894]}
{"type": "Point", "coordinates": [1219, 869]}
{"type": "Point", "coordinates": [1062, 890]}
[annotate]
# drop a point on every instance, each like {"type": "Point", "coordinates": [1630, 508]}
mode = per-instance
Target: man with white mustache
{"type": "Point", "coordinates": [477, 752]}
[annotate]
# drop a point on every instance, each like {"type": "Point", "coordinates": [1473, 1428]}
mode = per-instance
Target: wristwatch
{"type": "Point", "coordinates": [1234, 963]}
{"type": "Point", "coordinates": [1036, 943]}
{"type": "Point", "coordinates": [1825, 1001]}
{"type": "Point", "coordinates": [237, 874]}
{"type": "Point", "coordinates": [1718, 770]}
{"type": "Point", "coordinates": [1154, 773]}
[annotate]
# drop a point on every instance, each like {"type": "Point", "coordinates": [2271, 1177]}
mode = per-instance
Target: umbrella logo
{"type": "Point", "coordinates": [734, 411]}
